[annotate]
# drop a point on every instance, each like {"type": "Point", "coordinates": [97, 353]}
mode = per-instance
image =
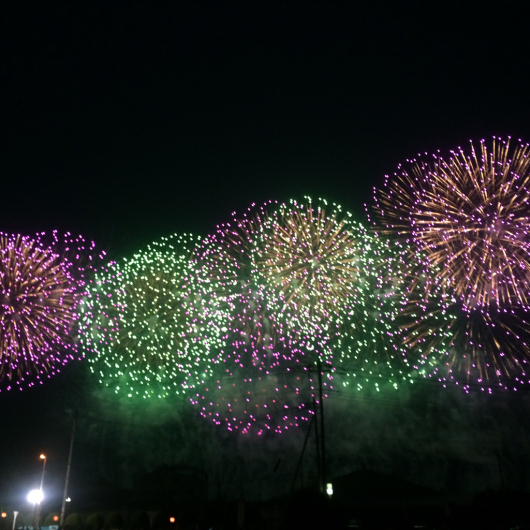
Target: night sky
{"type": "Point", "coordinates": [128, 121]}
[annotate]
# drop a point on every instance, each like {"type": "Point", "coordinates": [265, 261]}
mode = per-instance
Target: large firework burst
{"type": "Point", "coordinates": [251, 397]}
{"type": "Point", "coordinates": [231, 264]}
{"type": "Point", "coordinates": [466, 312]}
{"type": "Point", "coordinates": [329, 277]}
{"type": "Point", "coordinates": [40, 285]}
{"type": "Point", "coordinates": [136, 320]}
{"type": "Point", "coordinates": [285, 314]}
{"type": "Point", "coordinates": [469, 214]}
{"type": "Point", "coordinates": [310, 255]}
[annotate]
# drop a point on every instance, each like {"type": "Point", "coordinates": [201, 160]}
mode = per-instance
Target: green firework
{"type": "Point", "coordinates": [136, 321]}
{"type": "Point", "coordinates": [327, 275]}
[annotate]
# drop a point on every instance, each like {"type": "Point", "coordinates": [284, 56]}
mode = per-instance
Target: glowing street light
{"type": "Point", "coordinates": [329, 489]}
{"type": "Point", "coordinates": [35, 497]}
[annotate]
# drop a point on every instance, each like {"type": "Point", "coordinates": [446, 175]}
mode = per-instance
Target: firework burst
{"type": "Point", "coordinates": [369, 340]}
{"type": "Point", "coordinates": [310, 255]}
{"type": "Point", "coordinates": [136, 320]}
{"type": "Point", "coordinates": [250, 398]}
{"type": "Point", "coordinates": [41, 284]}
{"type": "Point", "coordinates": [284, 314]}
{"type": "Point", "coordinates": [469, 215]}
{"type": "Point", "coordinates": [329, 277]}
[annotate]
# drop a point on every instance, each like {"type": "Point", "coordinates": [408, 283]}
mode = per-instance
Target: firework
{"type": "Point", "coordinates": [227, 266]}
{"type": "Point", "coordinates": [466, 312]}
{"type": "Point", "coordinates": [332, 279]}
{"type": "Point", "coordinates": [259, 381]}
{"type": "Point", "coordinates": [469, 215]}
{"type": "Point", "coordinates": [278, 327]}
{"type": "Point", "coordinates": [369, 343]}
{"type": "Point", "coordinates": [483, 348]}
{"type": "Point", "coordinates": [251, 398]}
{"type": "Point", "coordinates": [310, 256]}
{"type": "Point", "coordinates": [258, 352]}
{"type": "Point", "coordinates": [136, 320]}
{"type": "Point", "coordinates": [41, 284]}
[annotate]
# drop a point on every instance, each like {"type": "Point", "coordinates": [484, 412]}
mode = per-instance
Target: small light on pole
{"type": "Point", "coordinates": [42, 457]}
{"type": "Point", "coordinates": [329, 489]}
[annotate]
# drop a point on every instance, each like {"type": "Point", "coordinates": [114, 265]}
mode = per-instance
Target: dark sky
{"type": "Point", "coordinates": [127, 121]}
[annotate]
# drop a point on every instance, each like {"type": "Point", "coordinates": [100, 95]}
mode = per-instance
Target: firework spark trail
{"type": "Point", "coordinates": [468, 215]}
{"type": "Point", "coordinates": [41, 281]}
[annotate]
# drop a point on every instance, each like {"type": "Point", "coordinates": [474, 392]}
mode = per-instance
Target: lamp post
{"type": "Point", "coordinates": [36, 496]}
{"type": "Point", "coordinates": [15, 513]}
{"type": "Point", "coordinates": [43, 458]}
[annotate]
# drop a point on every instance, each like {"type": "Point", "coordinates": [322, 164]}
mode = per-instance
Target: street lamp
{"type": "Point", "coordinates": [35, 497]}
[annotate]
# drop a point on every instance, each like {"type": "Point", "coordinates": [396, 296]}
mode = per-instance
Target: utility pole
{"type": "Point", "coordinates": [68, 467]}
{"type": "Point", "coordinates": [300, 466]}
{"type": "Point", "coordinates": [322, 432]}
{"type": "Point", "coordinates": [320, 437]}
{"type": "Point", "coordinates": [317, 443]}
{"type": "Point", "coordinates": [498, 455]}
